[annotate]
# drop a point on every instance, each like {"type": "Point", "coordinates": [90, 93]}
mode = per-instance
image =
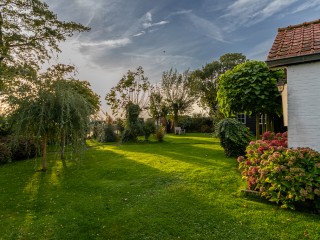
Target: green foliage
{"type": "Point", "coordinates": [132, 88]}
{"type": "Point", "coordinates": [160, 133]}
{"type": "Point", "coordinates": [23, 148]}
{"type": "Point", "coordinates": [58, 111]}
{"type": "Point", "coordinates": [30, 34]}
{"type": "Point", "coordinates": [289, 177]}
{"type": "Point", "coordinates": [120, 123]}
{"type": "Point", "coordinates": [250, 87]}
{"type": "Point", "coordinates": [233, 135]}
{"type": "Point", "coordinates": [4, 126]}
{"type": "Point", "coordinates": [205, 81]}
{"type": "Point", "coordinates": [5, 153]}
{"type": "Point", "coordinates": [196, 123]}
{"type": "Point", "coordinates": [133, 125]}
{"type": "Point", "coordinates": [109, 134]}
{"type": "Point", "coordinates": [177, 92]}
{"type": "Point", "coordinates": [149, 128]}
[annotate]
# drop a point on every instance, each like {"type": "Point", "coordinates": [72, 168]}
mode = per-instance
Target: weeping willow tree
{"type": "Point", "coordinates": [58, 112]}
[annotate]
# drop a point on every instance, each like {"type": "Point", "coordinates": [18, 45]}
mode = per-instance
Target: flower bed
{"type": "Point", "coordinates": [282, 175]}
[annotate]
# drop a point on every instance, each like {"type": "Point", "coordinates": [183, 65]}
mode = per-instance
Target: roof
{"type": "Point", "coordinates": [296, 44]}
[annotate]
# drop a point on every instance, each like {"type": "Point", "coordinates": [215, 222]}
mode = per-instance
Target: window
{"type": "Point", "coordinates": [242, 118]}
{"type": "Point", "coordinates": [260, 119]}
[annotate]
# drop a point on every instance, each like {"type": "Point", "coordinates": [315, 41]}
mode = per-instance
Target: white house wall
{"type": "Point", "coordinates": [304, 105]}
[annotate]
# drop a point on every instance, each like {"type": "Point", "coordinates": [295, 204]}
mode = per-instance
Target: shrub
{"type": "Point", "coordinates": [24, 148]}
{"type": "Point", "coordinates": [148, 128]}
{"type": "Point", "coordinates": [133, 124]}
{"type": "Point", "coordinates": [196, 123]}
{"type": "Point", "coordinates": [5, 153]}
{"type": "Point", "coordinates": [4, 126]}
{"type": "Point", "coordinates": [109, 134]}
{"type": "Point", "coordinates": [282, 175]}
{"type": "Point", "coordinates": [233, 135]}
{"type": "Point", "coordinates": [160, 132]}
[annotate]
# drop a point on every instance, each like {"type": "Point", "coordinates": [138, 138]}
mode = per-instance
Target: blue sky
{"type": "Point", "coordinates": [182, 34]}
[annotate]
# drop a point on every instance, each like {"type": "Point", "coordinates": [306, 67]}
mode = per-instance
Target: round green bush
{"type": "Point", "coordinates": [234, 136]}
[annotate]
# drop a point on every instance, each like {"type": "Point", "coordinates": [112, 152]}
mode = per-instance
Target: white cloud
{"type": "Point", "coordinates": [250, 12]}
{"type": "Point", "coordinates": [206, 27]}
{"type": "Point", "coordinates": [148, 24]}
{"type": "Point", "coordinates": [139, 34]}
{"type": "Point", "coordinates": [261, 50]}
{"type": "Point", "coordinates": [307, 5]}
{"type": "Point", "coordinates": [109, 43]}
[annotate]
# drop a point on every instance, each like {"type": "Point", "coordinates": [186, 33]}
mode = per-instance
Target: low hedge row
{"type": "Point", "coordinates": [280, 174]}
{"type": "Point", "coordinates": [15, 150]}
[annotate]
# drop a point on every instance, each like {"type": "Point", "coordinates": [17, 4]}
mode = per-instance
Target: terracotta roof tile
{"type": "Point", "coordinates": [297, 40]}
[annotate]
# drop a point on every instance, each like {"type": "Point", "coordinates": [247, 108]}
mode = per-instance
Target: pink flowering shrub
{"type": "Point", "coordinates": [282, 175]}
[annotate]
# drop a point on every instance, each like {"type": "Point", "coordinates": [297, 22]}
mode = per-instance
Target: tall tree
{"type": "Point", "coordinates": [158, 106]}
{"type": "Point", "coordinates": [29, 35]}
{"type": "Point", "coordinates": [132, 88]}
{"type": "Point", "coordinates": [250, 87]}
{"type": "Point", "coordinates": [205, 80]}
{"type": "Point", "coordinates": [177, 92]}
{"type": "Point", "coordinates": [58, 110]}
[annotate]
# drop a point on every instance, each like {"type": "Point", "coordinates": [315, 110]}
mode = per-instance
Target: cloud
{"type": "Point", "coordinates": [148, 21]}
{"type": "Point", "coordinates": [307, 5]}
{"type": "Point", "coordinates": [139, 34]}
{"type": "Point", "coordinates": [251, 12]}
{"type": "Point", "coordinates": [206, 27]}
{"type": "Point", "coordinates": [115, 43]}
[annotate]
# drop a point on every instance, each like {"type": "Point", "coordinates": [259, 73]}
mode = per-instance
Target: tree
{"type": "Point", "coordinates": [177, 91]}
{"type": "Point", "coordinates": [132, 88]}
{"type": "Point", "coordinates": [158, 106]}
{"type": "Point", "coordinates": [58, 111]}
{"type": "Point", "coordinates": [250, 87]}
{"type": "Point", "coordinates": [29, 35]}
{"type": "Point", "coordinates": [205, 80]}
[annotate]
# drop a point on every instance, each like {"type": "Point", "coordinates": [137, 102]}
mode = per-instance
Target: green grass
{"type": "Point", "coordinates": [183, 188]}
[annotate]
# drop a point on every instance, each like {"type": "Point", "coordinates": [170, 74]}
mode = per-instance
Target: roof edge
{"type": "Point", "coordinates": [293, 60]}
{"type": "Point", "coordinates": [298, 25]}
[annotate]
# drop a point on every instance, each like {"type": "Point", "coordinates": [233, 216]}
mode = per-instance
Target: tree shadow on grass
{"type": "Point", "coordinates": [117, 196]}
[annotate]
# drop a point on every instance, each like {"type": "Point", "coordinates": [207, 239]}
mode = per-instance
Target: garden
{"type": "Point", "coordinates": [182, 188]}
{"type": "Point", "coordinates": [71, 170]}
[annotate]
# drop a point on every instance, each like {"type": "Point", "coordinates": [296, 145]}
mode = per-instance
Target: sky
{"type": "Point", "coordinates": [164, 34]}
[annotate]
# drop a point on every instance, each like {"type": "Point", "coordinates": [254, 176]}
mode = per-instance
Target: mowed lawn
{"type": "Point", "coordinates": [183, 188]}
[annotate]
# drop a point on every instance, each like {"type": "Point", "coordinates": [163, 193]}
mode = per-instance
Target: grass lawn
{"type": "Point", "coordinates": [183, 188]}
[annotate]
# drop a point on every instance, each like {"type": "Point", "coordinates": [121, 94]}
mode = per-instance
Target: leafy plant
{"type": "Point", "coordinates": [250, 87]}
{"type": "Point", "coordinates": [282, 175]}
{"type": "Point", "coordinates": [133, 125]}
{"type": "Point", "coordinates": [149, 127]}
{"type": "Point", "coordinates": [5, 153]}
{"type": "Point", "coordinates": [233, 135]}
{"type": "Point", "coordinates": [23, 148]}
{"type": "Point", "coordinates": [160, 132]}
{"type": "Point", "coordinates": [109, 134]}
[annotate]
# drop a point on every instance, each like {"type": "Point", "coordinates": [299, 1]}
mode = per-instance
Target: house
{"type": "Point", "coordinates": [297, 48]}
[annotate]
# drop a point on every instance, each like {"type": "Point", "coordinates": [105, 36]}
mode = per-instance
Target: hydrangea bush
{"type": "Point", "coordinates": [282, 175]}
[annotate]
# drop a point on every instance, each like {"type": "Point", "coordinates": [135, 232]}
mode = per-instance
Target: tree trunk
{"type": "Point", "coordinates": [257, 126]}
{"type": "Point", "coordinates": [175, 119]}
{"type": "Point", "coordinates": [44, 153]}
{"type": "Point", "coordinates": [63, 145]}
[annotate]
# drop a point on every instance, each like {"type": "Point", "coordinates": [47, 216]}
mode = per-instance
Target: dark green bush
{"type": "Point", "coordinates": [109, 134]}
{"type": "Point", "coordinates": [234, 136]}
{"type": "Point", "coordinates": [5, 153]}
{"type": "Point", "coordinates": [195, 123]}
{"type": "Point", "coordinates": [23, 148]}
{"type": "Point", "coordinates": [4, 126]}
{"type": "Point", "coordinates": [133, 125]}
{"type": "Point", "coordinates": [160, 132]}
{"type": "Point", "coordinates": [149, 127]}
